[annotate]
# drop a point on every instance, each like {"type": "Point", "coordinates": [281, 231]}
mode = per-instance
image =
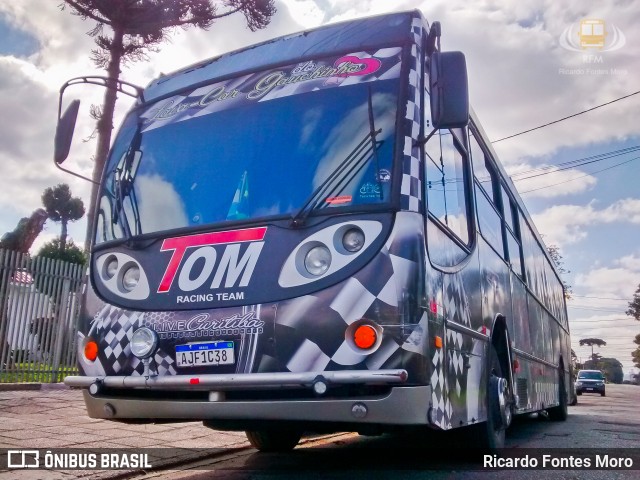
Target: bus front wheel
{"type": "Point", "coordinates": [273, 440]}
{"type": "Point", "coordinates": [491, 434]}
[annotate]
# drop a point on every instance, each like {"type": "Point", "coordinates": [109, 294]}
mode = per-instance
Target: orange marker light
{"type": "Point", "coordinates": [438, 342]}
{"type": "Point", "coordinates": [365, 336]}
{"type": "Point", "coordinates": [91, 350]}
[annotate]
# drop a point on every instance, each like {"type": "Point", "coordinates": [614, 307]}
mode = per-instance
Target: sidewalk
{"type": "Point", "coordinates": [55, 417]}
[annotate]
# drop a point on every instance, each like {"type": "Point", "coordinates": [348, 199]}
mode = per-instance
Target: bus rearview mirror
{"type": "Point", "coordinates": [64, 132]}
{"type": "Point", "coordinates": [449, 90]}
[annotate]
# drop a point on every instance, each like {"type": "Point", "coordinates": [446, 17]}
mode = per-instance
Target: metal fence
{"type": "Point", "coordinates": [39, 306]}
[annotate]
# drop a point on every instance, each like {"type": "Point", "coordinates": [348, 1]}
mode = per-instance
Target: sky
{"type": "Point", "coordinates": [526, 67]}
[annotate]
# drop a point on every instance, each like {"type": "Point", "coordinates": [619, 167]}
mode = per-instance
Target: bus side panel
{"type": "Point", "coordinates": [457, 386]}
{"type": "Point", "coordinates": [496, 288]}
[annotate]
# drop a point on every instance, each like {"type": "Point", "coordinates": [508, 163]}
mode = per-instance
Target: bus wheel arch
{"type": "Point", "coordinates": [560, 412]}
{"type": "Point", "coordinates": [498, 397]}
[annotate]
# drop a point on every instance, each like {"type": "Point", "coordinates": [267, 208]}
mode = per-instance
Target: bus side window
{"type": "Point", "coordinates": [483, 175]}
{"type": "Point", "coordinates": [445, 184]}
{"type": "Point", "coordinates": [512, 233]}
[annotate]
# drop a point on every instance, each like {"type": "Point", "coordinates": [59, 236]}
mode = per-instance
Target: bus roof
{"type": "Point", "coordinates": [352, 35]}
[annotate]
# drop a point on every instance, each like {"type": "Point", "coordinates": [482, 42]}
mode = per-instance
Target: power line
{"type": "Point", "coordinates": [581, 176]}
{"type": "Point", "coordinates": [579, 163]}
{"type": "Point", "coordinates": [566, 118]}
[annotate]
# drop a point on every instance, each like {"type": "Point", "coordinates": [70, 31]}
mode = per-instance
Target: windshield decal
{"type": "Point", "coordinates": [309, 76]}
{"type": "Point", "coordinates": [342, 199]}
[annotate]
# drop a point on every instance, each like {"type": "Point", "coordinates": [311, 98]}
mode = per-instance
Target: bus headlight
{"type": "Point", "coordinates": [111, 267]}
{"type": "Point", "coordinates": [144, 342]}
{"type": "Point", "coordinates": [131, 277]}
{"type": "Point", "coordinates": [353, 240]}
{"type": "Point", "coordinates": [318, 260]}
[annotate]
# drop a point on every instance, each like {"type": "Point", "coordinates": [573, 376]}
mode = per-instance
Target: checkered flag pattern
{"type": "Point", "coordinates": [112, 328]}
{"type": "Point", "coordinates": [411, 188]}
{"type": "Point", "coordinates": [310, 329]}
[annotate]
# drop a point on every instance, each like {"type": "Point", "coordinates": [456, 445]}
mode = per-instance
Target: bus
{"type": "Point", "coordinates": [314, 234]}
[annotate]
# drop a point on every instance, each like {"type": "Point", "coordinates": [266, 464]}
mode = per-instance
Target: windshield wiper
{"type": "Point", "coordinates": [123, 176]}
{"type": "Point", "coordinates": [354, 162]}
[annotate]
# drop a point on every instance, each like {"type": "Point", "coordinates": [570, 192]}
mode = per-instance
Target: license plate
{"type": "Point", "coordinates": [589, 388]}
{"type": "Point", "coordinates": [205, 353]}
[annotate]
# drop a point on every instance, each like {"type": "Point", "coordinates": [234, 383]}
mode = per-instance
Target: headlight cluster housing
{"type": "Point", "coordinates": [327, 251]}
{"type": "Point", "coordinates": [122, 275]}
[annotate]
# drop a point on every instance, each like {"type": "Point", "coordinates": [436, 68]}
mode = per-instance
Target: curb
{"type": "Point", "coordinates": [10, 387]}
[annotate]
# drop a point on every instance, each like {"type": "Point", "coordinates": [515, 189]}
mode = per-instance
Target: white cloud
{"type": "Point", "coordinates": [568, 224]}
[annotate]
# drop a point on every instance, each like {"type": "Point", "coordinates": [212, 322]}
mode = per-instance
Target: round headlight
{"type": "Point", "coordinates": [317, 260]}
{"type": "Point", "coordinates": [131, 277]}
{"type": "Point", "coordinates": [353, 240]}
{"type": "Point", "coordinates": [143, 342]}
{"type": "Point", "coordinates": [111, 267]}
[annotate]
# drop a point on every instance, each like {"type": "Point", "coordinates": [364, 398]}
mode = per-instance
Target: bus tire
{"type": "Point", "coordinates": [560, 413]}
{"type": "Point", "coordinates": [490, 434]}
{"type": "Point", "coordinates": [273, 440]}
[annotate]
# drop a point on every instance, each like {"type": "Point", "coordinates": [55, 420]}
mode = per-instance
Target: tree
{"type": "Point", "coordinates": [634, 305]}
{"type": "Point", "coordinates": [25, 233]}
{"type": "Point", "coordinates": [71, 253]}
{"type": "Point", "coordinates": [636, 353]}
{"type": "Point", "coordinates": [634, 311]}
{"type": "Point", "coordinates": [554, 253]}
{"type": "Point", "coordinates": [611, 368]}
{"type": "Point", "coordinates": [590, 342]}
{"type": "Point", "coordinates": [140, 26]}
{"type": "Point", "coordinates": [61, 207]}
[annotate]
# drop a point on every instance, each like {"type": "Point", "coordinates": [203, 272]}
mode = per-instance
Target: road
{"type": "Point", "coordinates": [611, 422]}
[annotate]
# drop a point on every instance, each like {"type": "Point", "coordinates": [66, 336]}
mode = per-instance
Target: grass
{"type": "Point", "coordinates": [34, 372]}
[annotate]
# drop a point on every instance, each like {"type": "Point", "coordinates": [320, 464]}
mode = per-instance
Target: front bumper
{"type": "Point", "coordinates": [402, 406]}
{"type": "Point", "coordinates": [115, 397]}
{"type": "Point", "coordinates": [588, 388]}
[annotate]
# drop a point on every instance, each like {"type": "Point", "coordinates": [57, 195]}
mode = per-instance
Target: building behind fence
{"type": "Point", "coordinates": [39, 306]}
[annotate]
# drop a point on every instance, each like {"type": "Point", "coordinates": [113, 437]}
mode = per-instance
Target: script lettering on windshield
{"type": "Point", "coordinates": [263, 86]}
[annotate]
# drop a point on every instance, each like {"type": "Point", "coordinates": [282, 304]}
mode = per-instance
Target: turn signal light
{"type": "Point", "coordinates": [91, 350]}
{"type": "Point", "coordinates": [365, 337]}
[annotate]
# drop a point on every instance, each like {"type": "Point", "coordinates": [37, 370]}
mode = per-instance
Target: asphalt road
{"type": "Point", "coordinates": [611, 422]}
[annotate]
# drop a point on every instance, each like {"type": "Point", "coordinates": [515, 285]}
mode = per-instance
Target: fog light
{"type": "Point", "coordinates": [317, 260]}
{"type": "Point", "coordinates": [353, 240]}
{"type": "Point", "coordinates": [144, 342]}
{"type": "Point", "coordinates": [131, 277]}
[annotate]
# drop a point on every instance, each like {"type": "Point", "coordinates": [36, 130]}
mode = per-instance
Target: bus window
{"type": "Point", "coordinates": [445, 184]}
{"type": "Point", "coordinates": [483, 175]}
{"type": "Point", "coordinates": [489, 221]}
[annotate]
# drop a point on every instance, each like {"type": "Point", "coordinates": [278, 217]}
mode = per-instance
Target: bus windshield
{"type": "Point", "coordinates": [257, 159]}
